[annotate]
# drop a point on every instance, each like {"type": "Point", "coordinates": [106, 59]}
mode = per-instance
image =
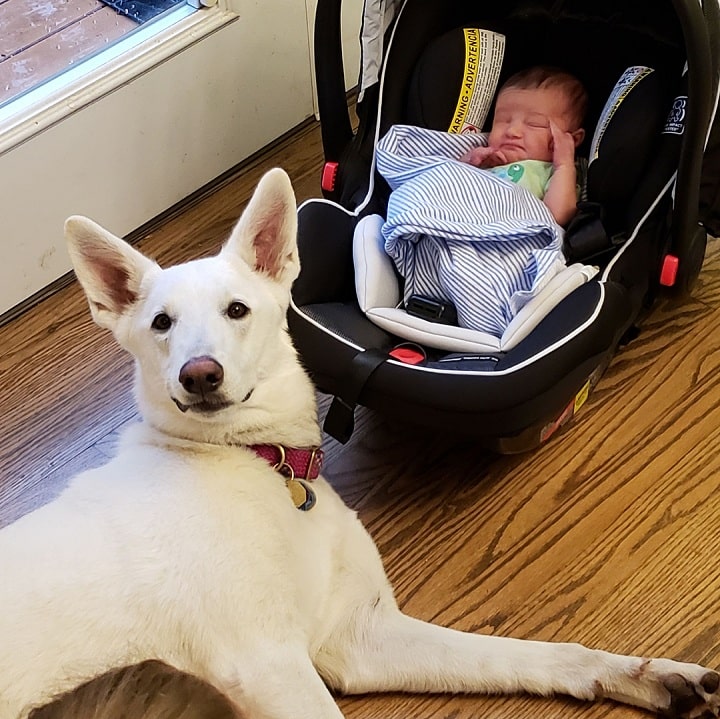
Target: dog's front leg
{"type": "Point", "coordinates": [276, 681]}
{"type": "Point", "coordinates": [389, 651]}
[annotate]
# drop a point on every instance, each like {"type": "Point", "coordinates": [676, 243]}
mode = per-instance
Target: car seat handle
{"type": "Point", "coordinates": [335, 126]}
{"type": "Point", "coordinates": [700, 88]}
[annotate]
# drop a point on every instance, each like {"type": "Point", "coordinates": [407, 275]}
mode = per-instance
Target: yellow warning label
{"type": "Point", "coordinates": [484, 52]}
{"type": "Point", "coordinates": [472, 51]}
{"type": "Point", "coordinates": [582, 396]}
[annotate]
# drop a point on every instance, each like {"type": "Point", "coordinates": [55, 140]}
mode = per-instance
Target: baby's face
{"type": "Point", "coordinates": [521, 124]}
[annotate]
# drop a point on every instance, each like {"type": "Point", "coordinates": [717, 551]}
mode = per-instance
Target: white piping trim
{"type": "Point", "coordinates": [371, 179]}
{"type": "Point", "coordinates": [309, 319]}
{"type": "Point", "coordinates": [712, 117]}
{"type": "Point", "coordinates": [324, 201]}
{"type": "Point", "coordinates": [632, 237]}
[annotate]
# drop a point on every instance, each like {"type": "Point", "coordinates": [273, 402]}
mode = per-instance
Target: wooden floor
{"type": "Point", "coordinates": [39, 38]}
{"type": "Point", "coordinates": [608, 535]}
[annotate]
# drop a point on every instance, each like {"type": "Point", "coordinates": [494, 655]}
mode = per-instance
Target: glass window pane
{"type": "Point", "coordinates": [39, 39]}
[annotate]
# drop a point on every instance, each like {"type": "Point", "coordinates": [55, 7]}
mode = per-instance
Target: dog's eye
{"type": "Point", "coordinates": [236, 310]}
{"type": "Point", "coordinates": [161, 322]}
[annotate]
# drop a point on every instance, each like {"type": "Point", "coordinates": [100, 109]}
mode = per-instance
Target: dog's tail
{"type": "Point", "coordinates": [148, 690]}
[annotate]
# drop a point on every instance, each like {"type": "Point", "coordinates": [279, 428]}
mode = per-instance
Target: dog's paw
{"type": "Point", "coordinates": [690, 698]}
{"type": "Point", "coordinates": [690, 691]}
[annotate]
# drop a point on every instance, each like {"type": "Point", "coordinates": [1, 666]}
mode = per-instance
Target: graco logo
{"type": "Point", "coordinates": [675, 123]}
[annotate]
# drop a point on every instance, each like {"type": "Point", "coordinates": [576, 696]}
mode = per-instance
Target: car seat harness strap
{"type": "Point", "coordinates": [340, 418]}
{"type": "Point", "coordinates": [586, 236]}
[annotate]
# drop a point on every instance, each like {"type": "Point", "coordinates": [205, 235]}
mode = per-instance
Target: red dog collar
{"type": "Point", "coordinates": [291, 462]}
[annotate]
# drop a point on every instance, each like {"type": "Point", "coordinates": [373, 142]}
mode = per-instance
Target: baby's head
{"type": "Point", "coordinates": [526, 105]}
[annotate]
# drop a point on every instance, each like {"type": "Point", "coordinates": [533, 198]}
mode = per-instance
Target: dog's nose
{"type": "Point", "coordinates": [201, 375]}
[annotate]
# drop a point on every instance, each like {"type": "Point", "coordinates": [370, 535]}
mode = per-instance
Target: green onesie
{"type": "Point", "coordinates": [533, 175]}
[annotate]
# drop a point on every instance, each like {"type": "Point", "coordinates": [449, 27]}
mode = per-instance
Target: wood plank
{"type": "Point", "coordinates": [25, 22]}
{"type": "Point", "coordinates": [21, 498]}
{"type": "Point", "coordinates": [60, 50]}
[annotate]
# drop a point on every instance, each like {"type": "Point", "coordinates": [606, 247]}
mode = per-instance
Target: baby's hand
{"type": "Point", "coordinates": [477, 156]}
{"type": "Point", "coordinates": [563, 147]}
{"type": "Point", "coordinates": [484, 157]}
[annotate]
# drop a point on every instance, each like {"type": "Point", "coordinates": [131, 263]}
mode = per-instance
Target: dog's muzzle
{"type": "Point", "coordinates": [209, 405]}
{"type": "Point", "coordinates": [203, 376]}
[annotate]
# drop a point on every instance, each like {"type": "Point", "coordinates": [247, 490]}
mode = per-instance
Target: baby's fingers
{"type": "Point", "coordinates": [476, 155]}
{"type": "Point", "coordinates": [563, 145]}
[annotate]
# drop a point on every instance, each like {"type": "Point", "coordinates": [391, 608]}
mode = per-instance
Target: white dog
{"type": "Point", "coordinates": [196, 545]}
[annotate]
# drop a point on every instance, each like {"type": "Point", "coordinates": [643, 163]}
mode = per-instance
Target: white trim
{"type": "Point", "coordinates": [94, 78]}
{"type": "Point", "coordinates": [323, 201]}
{"type": "Point", "coordinates": [715, 105]}
{"type": "Point", "coordinates": [632, 237]}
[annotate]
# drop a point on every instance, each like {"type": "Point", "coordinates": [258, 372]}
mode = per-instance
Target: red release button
{"type": "Point", "coordinates": [407, 355]}
{"type": "Point", "coordinates": [669, 271]}
{"type": "Point", "coordinates": [329, 174]}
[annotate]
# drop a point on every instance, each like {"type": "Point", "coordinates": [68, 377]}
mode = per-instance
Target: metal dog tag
{"type": "Point", "coordinates": [303, 496]}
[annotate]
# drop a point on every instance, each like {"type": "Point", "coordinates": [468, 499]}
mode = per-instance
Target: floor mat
{"type": "Point", "coordinates": [141, 10]}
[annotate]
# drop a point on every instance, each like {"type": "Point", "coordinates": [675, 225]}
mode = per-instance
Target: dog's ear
{"type": "Point", "coordinates": [265, 237]}
{"type": "Point", "coordinates": [108, 268]}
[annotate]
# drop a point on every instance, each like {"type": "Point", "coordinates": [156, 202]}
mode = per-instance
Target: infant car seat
{"type": "Point", "coordinates": [651, 71]}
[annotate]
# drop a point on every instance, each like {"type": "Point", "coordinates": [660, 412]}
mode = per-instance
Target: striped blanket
{"type": "Point", "coordinates": [461, 234]}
